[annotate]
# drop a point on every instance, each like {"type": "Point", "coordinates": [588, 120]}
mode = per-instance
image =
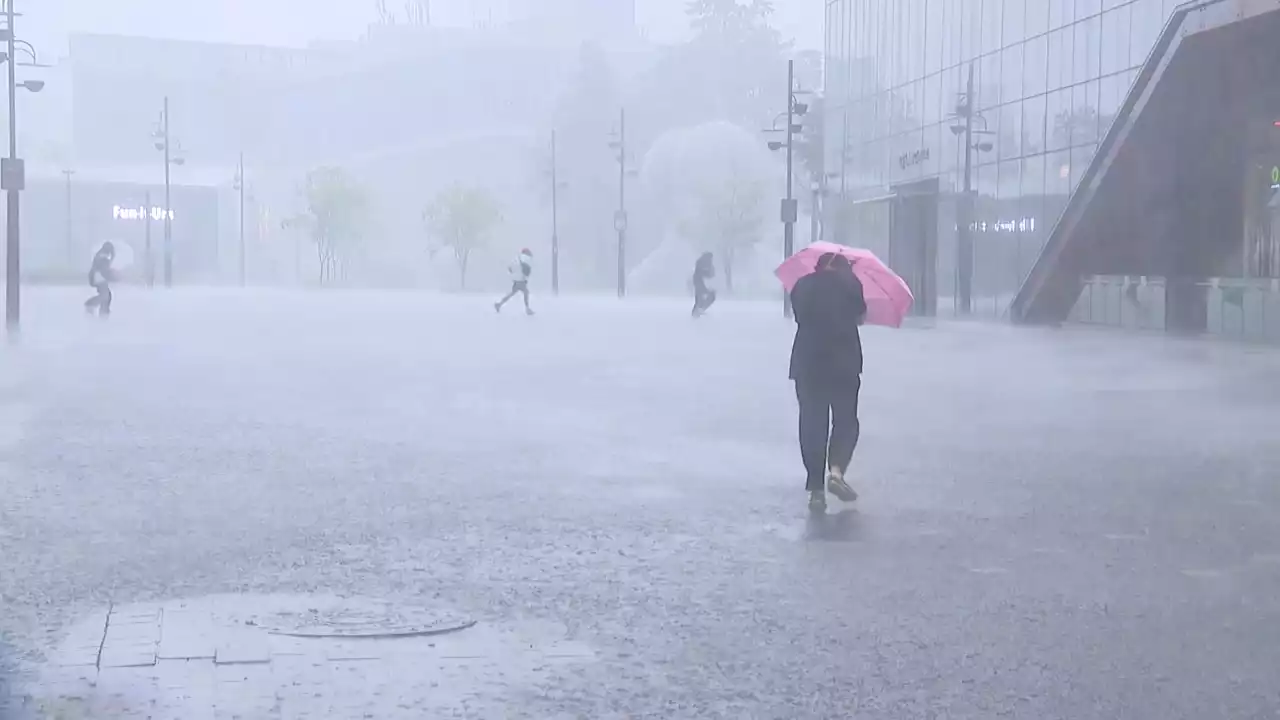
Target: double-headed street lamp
{"type": "Point", "coordinates": [964, 117]}
{"type": "Point", "coordinates": [619, 145]}
{"type": "Point", "coordinates": [12, 170]}
{"type": "Point", "coordinates": [790, 209]}
{"type": "Point", "coordinates": [239, 188]}
{"type": "Point", "coordinates": [172, 156]}
{"type": "Point", "coordinates": [556, 186]}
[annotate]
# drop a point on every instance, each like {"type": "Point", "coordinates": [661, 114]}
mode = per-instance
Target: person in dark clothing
{"type": "Point", "coordinates": [703, 295]}
{"type": "Point", "coordinates": [100, 276]}
{"type": "Point", "coordinates": [520, 272]}
{"type": "Point", "coordinates": [826, 366]}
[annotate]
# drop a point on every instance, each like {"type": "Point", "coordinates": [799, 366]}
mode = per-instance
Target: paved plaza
{"type": "Point", "coordinates": [347, 504]}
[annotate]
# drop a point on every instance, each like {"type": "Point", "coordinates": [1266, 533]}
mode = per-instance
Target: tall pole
{"type": "Point", "coordinates": [71, 245]}
{"type": "Point", "coordinates": [146, 239]}
{"type": "Point", "coordinates": [964, 245]}
{"type": "Point", "coordinates": [789, 205]}
{"type": "Point", "coordinates": [13, 300]}
{"type": "Point", "coordinates": [555, 220]}
{"type": "Point", "coordinates": [240, 187]}
{"type": "Point", "coordinates": [168, 220]}
{"type": "Point", "coordinates": [621, 220]}
{"type": "Point", "coordinates": [815, 210]}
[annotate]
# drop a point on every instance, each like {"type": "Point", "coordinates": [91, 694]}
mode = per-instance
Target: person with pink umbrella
{"type": "Point", "coordinates": [826, 366]}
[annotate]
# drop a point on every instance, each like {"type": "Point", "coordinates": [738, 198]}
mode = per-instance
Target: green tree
{"type": "Point", "coordinates": [462, 219]}
{"type": "Point", "coordinates": [728, 218]}
{"type": "Point", "coordinates": [334, 216]}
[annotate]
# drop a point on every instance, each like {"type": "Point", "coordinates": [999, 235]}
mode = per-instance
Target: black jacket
{"type": "Point", "coordinates": [829, 306]}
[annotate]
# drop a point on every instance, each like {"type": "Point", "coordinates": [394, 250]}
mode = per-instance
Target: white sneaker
{"type": "Point", "coordinates": [837, 486]}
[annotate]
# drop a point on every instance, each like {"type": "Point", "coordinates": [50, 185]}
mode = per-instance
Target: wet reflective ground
{"type": "Point", "coordinates": [1054, 524]}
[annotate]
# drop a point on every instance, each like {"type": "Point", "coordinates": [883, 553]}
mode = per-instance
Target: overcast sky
{"type": "Point", "coordinates": [295, 22]}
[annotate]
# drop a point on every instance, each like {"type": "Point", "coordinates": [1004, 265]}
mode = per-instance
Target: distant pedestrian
{"type": "Point", "coordinates": [826, 365]}
{"type": "Point", "coordinates": [703, 294]}
{"type": "Point", "coordinates": [100, 276]}
{"type": "Point", "coordinates": [520, 272]}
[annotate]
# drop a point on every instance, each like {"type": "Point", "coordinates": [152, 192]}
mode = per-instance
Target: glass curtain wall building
{"type": "Point", "coordinates": [1048, 78]}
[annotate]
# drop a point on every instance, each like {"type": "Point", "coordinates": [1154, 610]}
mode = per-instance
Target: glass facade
{"type": "Point", "coordinates": [1049, 77]}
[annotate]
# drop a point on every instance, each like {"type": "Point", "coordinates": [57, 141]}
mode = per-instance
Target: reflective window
{"type": "Point", "coordinates": [1035, 65]}
{"type": "Point", "coordinates": [988, 81]}
{"type": "Point", "coordinates": [1057, 179]}
{"type": "Point", "coordinates": [1147, 21]}
{"type": "Point", "coordinates": [970, 20]}
{"type": "Point", "coordinates": [1115, 40]}
{"type": "Point", "coordinates": [1061, 12]}
{"type": "Point", "coordinates": [1085, 8]}
{"type": "Point", "coordinates": [1111, 92]}
{"type": "Point", "coordinates": [1033, 176]}
{"type": "Point", "coordinates": [1011, 74]}
{"type": "Point", "coordinates": [1015, 21]}
{"type": "Point", "coordinates": [1058, 118]}
{"type": "Point", "coordinates": [933, 45]}
{"type": "Point", "coordinates": [1037, 19]}
{"type": "Point", "coordinates": [1009, 142]}
{"type": "Point", "coordinates": [1084, 113]}
{"type": "Point", "coordinates": [1081, 157]}
{"type": "Point", "coordinates": [1008, 190]}
{"type": "Point", "coordinates": [990, 30]}
{"type": "Point", "coordinates": [1060, 58]}
{"type": "Point", "coordinates": [931, 101]}
{"type": "Point", "coordinates": [1087, 49]}
{"type": "Point", "coordinates": [1033, 125]}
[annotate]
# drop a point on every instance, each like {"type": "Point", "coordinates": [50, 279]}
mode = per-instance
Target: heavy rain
{"type": "Point", "coordinates": [640, 359]}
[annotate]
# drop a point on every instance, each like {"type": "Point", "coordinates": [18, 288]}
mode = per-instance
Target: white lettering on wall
{"type": "Point", "coordinates": [1020, 225]}
{"type": "Point", "coordinates": [138, 213]}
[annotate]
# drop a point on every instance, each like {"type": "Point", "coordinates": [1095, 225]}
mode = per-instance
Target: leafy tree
{"type": "Point", "coordinates": [462, 219]}
{"type": "Point", "coordinates": [336, 208]}
{"type": "Point", "coordinates": [728, 217]}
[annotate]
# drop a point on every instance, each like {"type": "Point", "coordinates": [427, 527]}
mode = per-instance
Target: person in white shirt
{"type": "Point", "coordinates": [100, 276]}
{"type": "Point", "coordinates": [520, 272]}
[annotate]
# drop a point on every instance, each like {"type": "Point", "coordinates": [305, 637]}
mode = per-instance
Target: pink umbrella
{"type": "Point", "coordinates": [888, 297]}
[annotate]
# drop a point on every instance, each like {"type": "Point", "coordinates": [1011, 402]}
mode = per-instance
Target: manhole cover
{"type": "Point", "coordinates": [361, 619]}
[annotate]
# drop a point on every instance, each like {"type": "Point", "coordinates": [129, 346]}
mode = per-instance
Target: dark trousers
{"type": "Point", "coordinates": [517, 287]}
{"type": "Point", "coordinates": [829, 425]}
{"type": "Point", "coordinates": [703, 298]}
{"type": "Point", "coordinates": [100, 302]}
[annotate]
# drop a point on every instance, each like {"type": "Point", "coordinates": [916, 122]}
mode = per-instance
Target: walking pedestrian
{"type": "Point", "coordinates": [826, 366]}
{"type": "Point", "coordinates": [520, 272]}
{"type": "Point", "coordinates": [703, 294]}
{"type": "Point", "coordinates": [100, 276]}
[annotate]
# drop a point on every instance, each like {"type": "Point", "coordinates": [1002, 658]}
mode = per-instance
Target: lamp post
{"type": "Point", "coordinates": [13, 171]}
{"type": "Point", "coordinates": [71, 245]}
{"type": "Point", "coordinates": [965, 115]}
{"type": "Point", "coordinates": [146, 240]}
{"type": "Point", "coordinates": [620, 217]}
{"type": "Point", "coordinates": [790, 209]}
{"type": "Point", "coordinates": [239, 186]}
{"type": "Point", "coordinates": [555, 218]}
{"type": "Point", "coordinates": [164, 143]}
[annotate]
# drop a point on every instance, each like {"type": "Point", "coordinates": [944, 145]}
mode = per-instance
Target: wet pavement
{"type": "Point", "coordinates": [1054, 524]}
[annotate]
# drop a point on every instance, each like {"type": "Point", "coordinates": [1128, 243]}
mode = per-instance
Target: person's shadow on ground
{"type": "Point", "coordinates": [842, 526]}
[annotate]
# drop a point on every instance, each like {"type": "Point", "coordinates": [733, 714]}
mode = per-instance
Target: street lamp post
{"type": "Point", "coordinates": [620, 217]}
{"type": "Point", "coordinates": [146, 239]}
{"type": "Point", "coordinates": [790, 208]}
{"type": "Point", "coordinates": [164, 143]}
{"type": "Point", "coordinates": [13, 172]}
{"type": "Point", "coordinates": [71, 245]}
{"type": "Point", "coordinates": [966, 114]}
{"type": "Point", "coordinates": [239, 186]}
{"type": "Point", "coordinates": [555, 219]}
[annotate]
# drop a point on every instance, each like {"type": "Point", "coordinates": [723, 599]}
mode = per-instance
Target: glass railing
{"type": "Point", "coordinates": [1235, 309]}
